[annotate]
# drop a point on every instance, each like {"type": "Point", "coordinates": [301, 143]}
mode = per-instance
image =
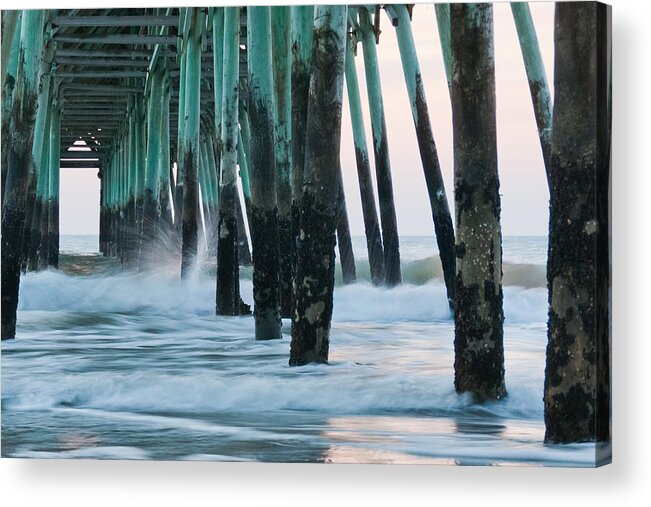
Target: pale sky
{"type": "Point", "coordinates": [522, 176]}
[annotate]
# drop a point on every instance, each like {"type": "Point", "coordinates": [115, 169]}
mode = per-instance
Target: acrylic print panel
{"type": "Point", "coordinates": [336, 234]}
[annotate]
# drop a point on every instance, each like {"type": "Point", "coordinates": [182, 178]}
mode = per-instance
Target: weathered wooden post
{"type": "Point", "coordinates": [315, 266]}
{"type": "Point", "coordinates": [577, 376]}
{"type": "Point", "coordinates": [344, 242]}
{"type": "Point", "coordinates": [302, 25]}
{"type": "Point", "coordinates": [369, 211]}
{"type": "Point", "coordinates": [10, 39]}
{"type": "Point", "coordinates": [533, 64]}
{"type": "Point", "coordinates": [164, 180]}
{"type": "Point", "coordinates": [23, 114]}
{"type": "Point", "coordinates": [228, 271]}
{"type": "Point", "coordinates": [41, 131]}
{"type": "Point", "coordinates": [264, 210]}
{"type": "Point", "coordinates": [190, 144]}
{"type": "Point", "coordinates": [443, 23]}
{"type": "Point", "coordinates": [478, 343]}
{"type": "Point", "coordinates": [388, 219]}
{"type": "Point", "coordinates": [154, 162]}
{"type": "Point", "coordinates": [38, 239]}
{"type": "Point", "coordinates": [433, 178]}
{"type": "Point", "coordinates": [10, 52]}
{"type": "Point", "coordinates": [53, 184]}
{"type": "Point", "coordinates": [281, 20]}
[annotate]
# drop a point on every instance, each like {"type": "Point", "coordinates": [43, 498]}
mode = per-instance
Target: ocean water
{"type": "Point", "coordinates": [112, 365]}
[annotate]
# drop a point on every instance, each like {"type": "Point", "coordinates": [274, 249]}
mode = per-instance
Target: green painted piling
{"type": "Point", "coordinates": [381, 150]}
{"type": "Point", "coordinates": [344, 241]}
{"type": "Point", "coordinates": [21, 137]}
{"type": "Point", "coordinates": [443, 23]}
{"type": "Point", "coordinates": [164, 181]}
{"type": "Point", "coordinates": [429, 156]}
{"type": "Point", "coordinates": [30, 241]}
{"type": "Point", "coordinates": [37, 255]}
{"type": "Point", "coordinates": [153, 163]}
{"type": "Point", "coordinates": [301, 32]}
{"type": "Point", "coordinates": [228, 278]}
{"type": "Point", "coordinates": [180, 140]}
{"type": "Point", "coordinates": [369, 211]}
{"type": "Point", "coordinates": [315, 266]}
{"type": "Point", "coordinates": [11, 46]}
{"type": "Point", "coordinates": [10, 38]}
{"type": "Point", "coordinates": [281, 20]}
{"type": "Point", "coordinates": [218, 77]}
{"type": "Point", "coordinates": [538, 87]}
{"type": "Point", "coordinates": [479, 316]}
{"type": "Point", "coordinates": [53, 185]}
{"type": "Point", "coordinates": [190, 143]}
{"type": "Point", "coordinates": [577, 373]}
{"type": "Point", "coordinates": [264, 209]}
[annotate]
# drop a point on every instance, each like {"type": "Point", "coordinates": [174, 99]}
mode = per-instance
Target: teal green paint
{"type": "Point", "coordinates": [164, 159]}
{"type": "Point", "coordinates": [180, 149]}
{"type": "Point", "coordinates": [212, 165]}
{"type": "Point", "coordinates": [533, 63]}
{"type": "Point", "coordinates": [10, 67]}
{"type": "Point", "coordinates": [193, 80]}
{"type": "Point", "coordinates": [244, 167]}
{"type": "Point", "coordinates": [42, 113]}
{"type": "Point", "coordinates": [372, 71]}
{"type": "Point", "coordinates": [10, 39]}
{"type": "Point", "coordinates": [132, 150]}
{"type": "Point", "coordinates": [155, 132]}
{"type": "Point", "coordinates": [202, 179]}
{"type": "Point", "coordinates": [54, 151]}
{"type": "Point", "coordinates": [302, 23]}
{"type": "Point", "coordinates": [409, 58]}
{"type": "Point", "coordinates": [443, 22]}
{"type": "Point", "coordinates": [282, 66]}
{"type": "Point", "coordinates": [230, 97]}
{"type": "Point", "coordinates": [140, 147]}
{"type": "Point", "coordinates": [355, 101]}
{"type": "Point", "coordinates": [218, 60]}
{"type": "Point", "coordinates": [42, 182]}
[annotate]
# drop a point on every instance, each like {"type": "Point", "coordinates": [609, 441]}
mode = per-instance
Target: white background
{"type": "Point", "coordinates": [626, 482]}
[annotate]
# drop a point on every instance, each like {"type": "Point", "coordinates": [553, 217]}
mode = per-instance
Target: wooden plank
{"type": "Point", "coordinates": [99, 89]}
{"type": "Point", "coordinates": [105, 53]}
{"type": "Point", "coordinates": [116, 21]}
{"type": "Point", "coordinates": [115, 38]}
{"type": "Point", "coordinates": [100, 62]}
{"type": "Point", "coordinates": [80, 74]}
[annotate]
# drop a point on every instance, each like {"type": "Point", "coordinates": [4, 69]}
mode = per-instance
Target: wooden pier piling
{"type": "Point", "coordinates": [315, 266]}
{"type": "Point", "coordinates": [264, 208]}
{"type": "Point", "coordinates": [478, 342]}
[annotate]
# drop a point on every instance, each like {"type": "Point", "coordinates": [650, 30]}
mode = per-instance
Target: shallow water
{"type": "Point", "coordinates": [114, 365]}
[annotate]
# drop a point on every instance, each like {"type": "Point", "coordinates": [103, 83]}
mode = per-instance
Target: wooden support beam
{"type": "Point", "coordinates": [104, 53]}
{"type": "Point", "coordinates": [577, 375]}
{"type": "Point", "coordinates": [101, 74]}
{"type": "Point", "coordinates": [315, 264]}
{"type": "Point", "coordinates": [190, 161]}
{"type": "Point", "coordinates": [429, 156]}
{"type": "Point", "coordinates": [281, 21]}
{"type": "Point", "coordinates": [115, 21]}
{"type": "Point", "coordinates": [538, 87]}
{"type": "Point", "coordinates": [19, 145]}
{"type": "Point", "coordinates": [381, 151]}
{"type": "Point", "coordinates": [100, 62]}
{"type": "Point", "coordinates": [369, 210]}
{"type": "Point", "coordinates": [228, 279]}
{"type": "Point", "coordinates": [479, 330]}
{"type": "Point", "coordinates": [264, 235]}
{"type": "Point", "coordinates": [88, 89]}
{"type": "Point", "coordinates": [114, 38]}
